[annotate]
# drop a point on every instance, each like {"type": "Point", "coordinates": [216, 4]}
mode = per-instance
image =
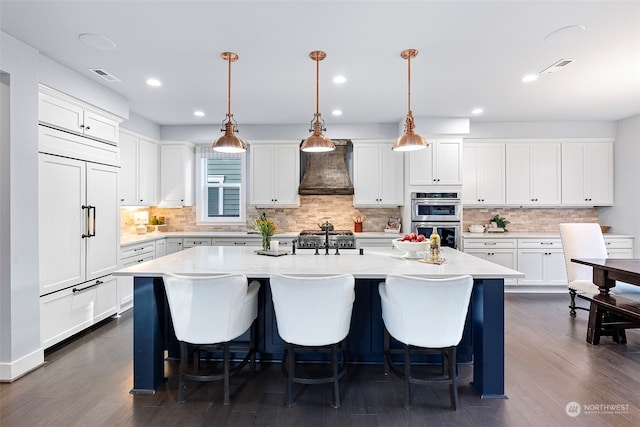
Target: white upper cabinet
{"type": "Point", "coordinates": [176, 175]}
{"type": "Point", "coordinates": [66, 113]}
{"type": "Point", "coordinates": [483, 182]}
{"type": "Point", "coordinates": [439, 164]}
{"type": "Point", "coordinates": [533, 174]}
{"type": "Point", "coordinates": [587, 173]}
{"type": "Point", "coordinates": [275, 174]}
{"type": "Point", "coordinates": [378, 174]}
{"type": "Point", "coordinates": [139, 171]}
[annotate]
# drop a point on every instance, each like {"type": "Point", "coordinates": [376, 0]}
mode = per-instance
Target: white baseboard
{"type": "Point", "coordinates": [14, 370]}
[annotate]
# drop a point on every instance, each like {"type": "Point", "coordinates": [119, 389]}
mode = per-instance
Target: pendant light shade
{"type": "Point", "coordinates": [317, 142]}
{"type": "Point", "coordinates": [410, 141]}
{"type": "Point", "coordinates": [229, 143]}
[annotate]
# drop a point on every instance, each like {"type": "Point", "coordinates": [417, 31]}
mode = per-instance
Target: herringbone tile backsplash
{"type": "Point", "coordinates": [530, 219]}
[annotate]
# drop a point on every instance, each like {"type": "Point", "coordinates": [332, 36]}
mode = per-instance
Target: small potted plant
{"type": "Point", "coordinates": [500, 221]}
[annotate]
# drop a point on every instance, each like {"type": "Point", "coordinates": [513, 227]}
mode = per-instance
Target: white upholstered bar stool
{"type": "Point", "coordinates": [313, 313]}
{"type": "Point", "coordinates": [428, 314]}
{"type": "Point", "coordinates": [207, 313]}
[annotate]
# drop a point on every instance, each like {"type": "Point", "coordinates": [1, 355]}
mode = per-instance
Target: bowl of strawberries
{"type": "Point", "coordinates": [411, 244]}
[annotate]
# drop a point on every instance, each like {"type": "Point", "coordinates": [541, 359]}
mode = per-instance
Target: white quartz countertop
{"type": "Point", "coordinates": [130, 239]}
{"type": "Point", "coordinates": [374, 264]}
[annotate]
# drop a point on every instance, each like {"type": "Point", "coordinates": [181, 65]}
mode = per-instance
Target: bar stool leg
{"type": "Point", "coordinates": [407, 377]}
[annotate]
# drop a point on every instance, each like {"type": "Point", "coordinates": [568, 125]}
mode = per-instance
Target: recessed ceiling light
{"type": "Point", "coordinates": [96, 41]}
{"type": "Point", "coordinates": [337, 112]}
{"type": "Point", "coordinates": [565, 34]}
{"type": "Point", "coordinates": [339, 79]}
{"type": "Point", "coordinates": [530, 78]}
{"type": "Point", "coordinates": [198, 113]}
{"type": "Point", "coordinates": [154, 82]}
{"type": "Point", "coordinates": [477, 111]}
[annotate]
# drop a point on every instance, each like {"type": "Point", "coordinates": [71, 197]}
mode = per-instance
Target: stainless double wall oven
{"type": "Point", "coordinates": [442, 211]}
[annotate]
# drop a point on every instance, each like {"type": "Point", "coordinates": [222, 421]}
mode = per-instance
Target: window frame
{"type": "Point", "coordinates": [202, 195]}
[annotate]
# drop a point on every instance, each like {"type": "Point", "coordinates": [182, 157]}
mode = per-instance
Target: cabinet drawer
{"type": "Point", "coordinates": [240, 242]}
{"type": "Point", "coordinates": [131, 251]}
{"type": "Point", "coordinates": [618, 243]}
{"type": "Point", "coordinates": [191, 242]}
{"type": "Point", "coordinates": [137, 259]}
{"type": "Point", "coordinates": [67, 312]}
{"type": "Point", "coordinates": [490, 243]}
{"type": "Point", "coordinates": [539, 243]}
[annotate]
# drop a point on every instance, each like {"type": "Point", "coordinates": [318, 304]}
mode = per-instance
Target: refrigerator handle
{"type": "Point", "coordinates": [93, 234]}
{"type": "Point", "coordinates": [87, 224]}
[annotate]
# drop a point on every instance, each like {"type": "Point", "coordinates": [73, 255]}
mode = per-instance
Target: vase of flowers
{"type": "Point", "coordinates": [265, 227]}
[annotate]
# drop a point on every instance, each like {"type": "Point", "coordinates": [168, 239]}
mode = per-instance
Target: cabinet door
{"type": "Point", "coordinates": [556, 269]}
{"type": "Point", "coordinates": [491, 181]}
{"type": "Point", "coordinates": [518, 171]}
{"type": "Point", "coordinates": [176, 175]}
{"type": "Point", "coordinates": [128, 182]}
{"type": "Point", "coordinates": [483, 182]}
{"type": "Point", "coordinates": [421, 166]}
{"type": "Point", "coordinates": [286, 172]}
{"type": "Point", "coordinates": [531, 264]}
{"type": "Point", "coordinates": [598, 173]}
{"type": "Point", "coordinates": [173, 245]}
{"type": "Point", "coordinates": [545, 174]}
{"type": "Point", "coordinates": [366, 174]}
{"type": "Point", "coordinates": [161, 248]}
{"type": "Point", "coordinates": [62, 222]}
{"type": "Point", "coordinates": [470, 182]}
{"type": "Point", "coordinates": [503, 257]}
{"type": "Point", "coordinates": [100, 127]}
{"type": "Point", "coordinates": [102, 193]}
{"type": "Point", "coordinates": [262, 181]}
{"type": "Point", "coordinates": [147, 172]}
{"type": "Point", "coordinates": [391, 168]}
{"type": "Point", "coordinates": [61, 114]}
{"type": "Point", "coordinates": [448, 162]}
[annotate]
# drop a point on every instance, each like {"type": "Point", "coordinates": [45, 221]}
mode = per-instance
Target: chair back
{"type": "Point", "coordinates": [313, 311]}
{"type": "Point", "coordinates": [581, 240]}
{"type": "Point", "coordinates": [424, 312]}
{"type": "Point", "coordinates": [209, 309]}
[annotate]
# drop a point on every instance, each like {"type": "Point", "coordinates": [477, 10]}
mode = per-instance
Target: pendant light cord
{"type": "Point", "coordinates": [229, 89]}
{"type": "Point", "coordinates": [317, 88]}
{"type": "Point", "coordinates": [409, 84]}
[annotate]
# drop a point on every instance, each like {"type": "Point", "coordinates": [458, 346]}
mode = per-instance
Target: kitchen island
{"type": "Point", "coordinates": [152, 329]}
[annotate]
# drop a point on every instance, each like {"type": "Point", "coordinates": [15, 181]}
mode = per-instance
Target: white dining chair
{"type": "Point", "coordinates": [426, 315]}
{"type": "Point", "coordinates": [313, 313]}
{"type": "Point", "coordinates": [207, 314]}
{"type": "Point", "coordinates": [585, 240]}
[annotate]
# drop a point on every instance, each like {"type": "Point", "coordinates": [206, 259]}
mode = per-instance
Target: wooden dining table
{"type": "Point", "coordinates": [606, 272]}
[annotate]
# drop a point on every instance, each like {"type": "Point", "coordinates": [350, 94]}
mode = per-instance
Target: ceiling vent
{"type": "Point", "coordinates": [557, 66]}
{"type": "Point", "coordinates": [104, 75]}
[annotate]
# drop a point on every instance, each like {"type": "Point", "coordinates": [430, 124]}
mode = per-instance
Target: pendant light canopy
{"type": "Point", "coordinates": [410, 141]}
{"type": "Point", "coordinates": [317, 142]}
{"type": "Point", "coordinates": [229, 143]}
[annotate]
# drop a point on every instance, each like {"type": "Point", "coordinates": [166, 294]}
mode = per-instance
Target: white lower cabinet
{"type": "Point", "coordinates": [542, 262]}
{"type": "Point", "coordinates": [619, 247]}
{"type": "Point", "coordinates": [499, 251]}
{"type": "Point", "coordinates": [161, 248]}
{"type": "Point", "coordinates": [67, 312]}
{"type": "Point", "coordinates": [173, 244]}
{"type": "Point", "coordinates": [246, 241]}
{"type": "Point", "coordinates": [132, 255]}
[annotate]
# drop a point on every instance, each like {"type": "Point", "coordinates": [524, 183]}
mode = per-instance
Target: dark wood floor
{"type": "Point", "coordinates": [548, 365]}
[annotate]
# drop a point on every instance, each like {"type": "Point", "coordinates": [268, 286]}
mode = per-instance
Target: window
{"type": "Point", "coordinates": [222, 187]}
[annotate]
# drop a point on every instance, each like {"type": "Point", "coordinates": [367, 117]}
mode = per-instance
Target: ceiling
{"type": "Point", "coordinates": [472, 54]}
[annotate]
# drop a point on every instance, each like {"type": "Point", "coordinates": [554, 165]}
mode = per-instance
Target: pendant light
{"type": "Point", "coordinates": [317, 142]}
{"type": "Point", "coordinates": [229, 143]}
{"type": "Point", "coordinates": [410, 141]}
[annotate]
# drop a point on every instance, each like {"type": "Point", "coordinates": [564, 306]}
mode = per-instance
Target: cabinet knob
{"type": "Point", "coordinates": [122, 200]}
